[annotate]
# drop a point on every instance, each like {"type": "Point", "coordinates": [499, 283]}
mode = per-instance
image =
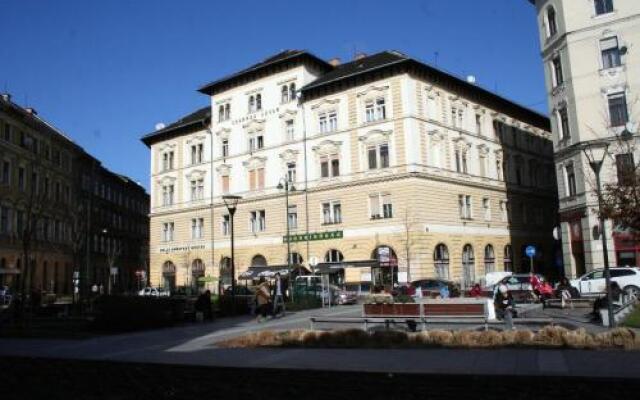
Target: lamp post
{"type": "Point", "coordinates": [231, 202]}
{"type": "Point", "coordinates": [596, 161]}
{"type": "Point", "coordinates": [287, 185]}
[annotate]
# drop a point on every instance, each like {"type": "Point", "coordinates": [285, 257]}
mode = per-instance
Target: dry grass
{"type": "Point", "coordinates": [547, 337]}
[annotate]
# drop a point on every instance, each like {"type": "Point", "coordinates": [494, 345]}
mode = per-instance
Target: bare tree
{"type": "Point", "coordinates": [114, 251]}
{"type": "Point", "coordinates": [408, 240]}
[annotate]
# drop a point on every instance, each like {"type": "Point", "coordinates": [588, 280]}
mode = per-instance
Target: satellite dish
{"type": "Point", "coordinates": [471, 79]}
{"type": "Point", "coordinates": [160, 125]}
{"type": "Point", "coordinates": [632, 127]}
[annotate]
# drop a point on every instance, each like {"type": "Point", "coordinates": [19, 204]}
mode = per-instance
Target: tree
{"type": "Point", "coordinates": [407, 239]}
{"type": "Point", "coordinates": [113, 252]}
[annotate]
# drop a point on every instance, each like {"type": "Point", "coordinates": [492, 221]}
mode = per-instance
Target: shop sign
{"type": "Point", "coordinates": [312, 236]}
{"type": "Point", "coordinates": [180, 249]}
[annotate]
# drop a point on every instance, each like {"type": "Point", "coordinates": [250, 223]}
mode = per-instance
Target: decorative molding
{"type": "Point", "coordinates": [324, 102]}
{"type": "Point", "coordinates": [165, 180]}
{"type": "Point", "coordinates": [255, 125]}
{"type": "Point", "coordinates": [223, 169]}
{"type": "Point", "coordinates": [376, 135]}
{"type": "Point", "coordinates": [223, 133]}
{"type": "Point", "coordinates": [167, 146]}
{"type": "Point", "coordinates": [288, 114]}
{"type": "Point", "coordinates": [373, 89]}
{"type": "Point", "coordinates": [196, 173]}
{"type": "Point", "coordinates": [196, 138]}
{"type": "Point", "coordinates": [287, 81]}
{"type": "Point", "coordinates": [255, 161]}
{"type": "Point", "coordinates": [327, 147]}
{"type": "Point", "coordinates": [289, 155]}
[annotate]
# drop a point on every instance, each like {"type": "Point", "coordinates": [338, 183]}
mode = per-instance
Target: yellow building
{"type": "Point", "coordinates": [399, 170]}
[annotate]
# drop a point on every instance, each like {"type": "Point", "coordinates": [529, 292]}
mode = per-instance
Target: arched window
{"type": "Point", "coordinates": [252, 104]}
{"type": "Point", "coordinates": [296, 258]}
{"type": "Point", "coordinates": [221, 113]}
{"type": "Point", "coordinates": [285, 95]}
{"type": "Point", "coordinates": [333, 256]}
{"type": "Point", "coordinates": [489, 259]}
{"type": "Point", "coordinates": [292, 92]}
{"type": "Point", "coordinates": [386, 273]}
{"type": "Point", "coordinates": [508, 258]}
{"type": "Point", "coordinates": [441, 261]}
{"type": "Point", "coordinates": [552, 27]}
{"type": "Point", "coordinates": [468, 266]}
{"type": "Point", "coordinates": [169, 276]}
{"type": "Point", "coordinates": [258, 261]}
{"type": "Point", "coordinates": [197, 271]}
{"type": "Point", "coordinates": [258, 102]}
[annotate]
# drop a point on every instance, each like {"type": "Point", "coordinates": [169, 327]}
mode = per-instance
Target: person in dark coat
{"type": "Point", "coordinates": [603, 302]}
{"type": "Point", "coordinates": [503, 304]}
{"type": "Point", "coordinates": [203, 305]}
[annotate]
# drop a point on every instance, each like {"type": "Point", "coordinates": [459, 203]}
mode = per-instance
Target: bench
{"type": "Point", "coordinates": [422, 321]}
{"type": "Point", "coordinates": [581, 302]}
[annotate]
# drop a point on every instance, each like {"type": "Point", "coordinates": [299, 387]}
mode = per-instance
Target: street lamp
{"type": "Point", "coordinates": [596, 152]}
{"type": "Point", "coordinates": [287, 185]}
{"type": "Point", "coordinates": [231, 202]}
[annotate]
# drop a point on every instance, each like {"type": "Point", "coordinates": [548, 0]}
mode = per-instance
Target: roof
{"type": "Point", "coordinates": [356, 71]}
{"type": "Point", "coordinates": [197, 118]}
{"type": "Point", "coordinates": [279, 59]}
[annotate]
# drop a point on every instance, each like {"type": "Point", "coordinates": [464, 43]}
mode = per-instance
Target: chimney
{"type": "Point", "coordinates": [335, 61]}
{"type": "Point", "coordinates": [360, 56]}
{"type": "Point", "coordinates": [6, 96]}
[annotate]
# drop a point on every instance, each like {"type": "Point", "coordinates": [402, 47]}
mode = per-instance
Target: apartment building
{"type": "Point", "coordinates": [593, 83]}
{"type": "Point", "coordinates": [48, 184]}
{"type": "Point", "coordinates": [397, 171]}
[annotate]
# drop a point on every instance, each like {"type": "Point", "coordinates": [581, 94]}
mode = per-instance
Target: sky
{"type": "Point", "coordinates": [106, 72]}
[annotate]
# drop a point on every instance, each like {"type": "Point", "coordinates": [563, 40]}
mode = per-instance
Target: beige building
{"type": "Point", "coordinates": [593, 84]}
{"type": "Point", "coordinates": [399, 170]}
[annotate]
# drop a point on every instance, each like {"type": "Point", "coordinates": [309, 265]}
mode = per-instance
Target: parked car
{"type": "Point", "coordinates": [154, 292]}
{"type": "Point", "coordinates": [342, 296]}
{"type": "Point", "coordinates": [593, 282]}
{"type": "Point", "coordinates": [432, 286]}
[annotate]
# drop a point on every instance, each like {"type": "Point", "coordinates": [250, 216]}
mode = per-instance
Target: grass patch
{"type": "Point", "coordinates": [547, 337]}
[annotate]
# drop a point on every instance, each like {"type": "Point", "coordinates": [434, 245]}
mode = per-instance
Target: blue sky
{"type": "Point", "coordinates": [105, 72]}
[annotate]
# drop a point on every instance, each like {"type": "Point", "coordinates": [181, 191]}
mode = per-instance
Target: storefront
{"type": "Point", "coordinates": [627, 249]}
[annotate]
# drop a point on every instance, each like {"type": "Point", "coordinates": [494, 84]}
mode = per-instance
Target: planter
{"type": "Point", "coordinates": [392, 310]}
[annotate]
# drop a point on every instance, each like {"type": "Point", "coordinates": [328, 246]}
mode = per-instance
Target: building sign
{"type": "Point", "coordinates": [312, 236]}
{"type": "Point", "coordinates": [180, 249]}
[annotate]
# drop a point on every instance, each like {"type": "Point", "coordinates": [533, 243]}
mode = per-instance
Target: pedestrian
{"type": "Point", "coordinates": [262, 298]}
{"type": "Point", "coordinates": [278, 299]}
{"type": "Point", "coordinates": [603, 302]}
{"type": "Point", "coordinates": [444, 291]}
{"type": "Point", "coordinates": [503, 304]}
{"type": "Point", "coordinates": [476, 291]}
{"type": "Point", "coordinates": [563, 291]}
{"type": "Point", "coordinates": [203, 307]}
{"type": "Point", "coordinates": [535, 286]}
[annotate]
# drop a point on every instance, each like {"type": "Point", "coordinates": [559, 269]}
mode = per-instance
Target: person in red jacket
{"type": "Point", "coordinates": [535, 286]}
{"type": "Point", "coordinates": [476, 291]}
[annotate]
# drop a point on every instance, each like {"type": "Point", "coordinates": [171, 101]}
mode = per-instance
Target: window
{"type": "Point", "coordinates": [441, 261]}
{"type": "Point", "coordinates": [610, 53]}
{"type": "Point", "coordinates": [479, 124]}
{"type": "Point", "coordinates": [295, 258]}
{"type": "Point", "coordinates": [563, 116]}
{"type": "Point", "coordinates": [197, 189]}
{"type": "Point", "coordinates": [221, 113]}
{"type": "Point", "coordinates": [291, 172]}
{"type": "Point", "coordinates": [167, 231]}
{"type": "Point", "coordinates": [284, 97]}
{"type": "Point", "coordinates": [489, 259]}
{"type": "Point", "coordinates": [21, 178]}
{"type": "Point", "coordinates": [328, 121]}
{"type": "Point", "coordinates": [257, 221]}
{"type": "Point", "coordinates": [225, 148]}
{"type": "Point", "coordinates": [524, 212]}
{"type": "Point", "coordinates": [225, 183]}
{"type": "Point", "coordinates": [552, 27]}
{"type": "Point", "coordinates": [538, 215]}
{"type": "Point", "coordinates": [461, 161]}
{"type": "Point", "coordinates": [7, 132]}
{"type": "Point", "coordinates": [167, 195]}
{"type": "Point", "coordinates": [289, 129]}
{"type": "Point", "coordinates": [332, 212]}
{"type": "Point", "coordinates": [626, 168]}
{"type": "Point", "coordinates": [167, 161]}
{"type": "Point", "coordinates": [618, 109]}
{"type": "Point", "coordinates": [252, 104]}
{"type": "Point", "coordinates": [258, 102]}
{"type": "Point", "coordinates": [197, 228]}
{"type": "Point", "coordinates": [378, 156]}
{"type": "Point", "coordinates": [603, 6]}
{"type": "Point", "coordinates": [464, 205]}
{"type": "Point", "coordinates": [558, 77]}
{"type": "Point", "coordinates": [292, 217]}
{"type": "Point", "coordinates": [380, 206]}
{"type": "Point", "coordinates": [224, 226]}
{"type": "Point", "coordinates": [256, 179]}
{"type": "Point", "coordinates": [508, 258]}
{"type": "Point", "coordinates": [503, 211]}
{"type": "Point", "coordinates": [256, 142]}
{"type": "Point", "coordinates": [482, 158]}
{"type": "Point", "coordinates": [197, 153]}
{"type": "Point", "coordinates": [375, 110]}
{"type": "Point", "coordinates": [519, 171]}
{"type": "Point", "coordinates": [329, 166]}
{"type": "Point", "coordinates": [486, 209]}
{"type": "Point", "coordinates": [333, 256]}
{"type": "Point", "coordinates": [499, 169]}
{"type": "Point", "coordinates": [5, 220]}
{"type": "Point", "coordinates": [227, 111]}
{"type": "Point", "coordinates": [457, 117]}
{"type": "Point", "coordinates": [292, 92]}
{"type": "Point", "coordinates": [6, 173]}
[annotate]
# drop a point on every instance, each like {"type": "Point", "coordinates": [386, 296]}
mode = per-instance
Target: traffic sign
{"type": "Point", "coordinates": [530, 251]}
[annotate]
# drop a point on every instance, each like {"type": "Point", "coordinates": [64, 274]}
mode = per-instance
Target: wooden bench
{"type": "Point", "coordinates": [366, 322]}
{"type": "Point", "coordinates": [581, 302]}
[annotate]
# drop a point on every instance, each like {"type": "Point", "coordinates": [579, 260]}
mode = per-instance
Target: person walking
{"type": "Point", "coordinates": [503, 304]}
{"type": "Point", "coordinates": [262, 298]}
{"type": "Point", "coordinates": [278, 298]}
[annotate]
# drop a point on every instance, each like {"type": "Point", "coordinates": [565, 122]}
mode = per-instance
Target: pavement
{"type": "Point", "coordinates": [195, 345]}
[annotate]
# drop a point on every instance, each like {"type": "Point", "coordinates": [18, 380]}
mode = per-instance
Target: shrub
{"type": "Point", "coordinates": [242, 305]}
{"type": "Point", "coordinates": [440, 337]}
{"type": "Point", "coordinates": [550, 336]}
